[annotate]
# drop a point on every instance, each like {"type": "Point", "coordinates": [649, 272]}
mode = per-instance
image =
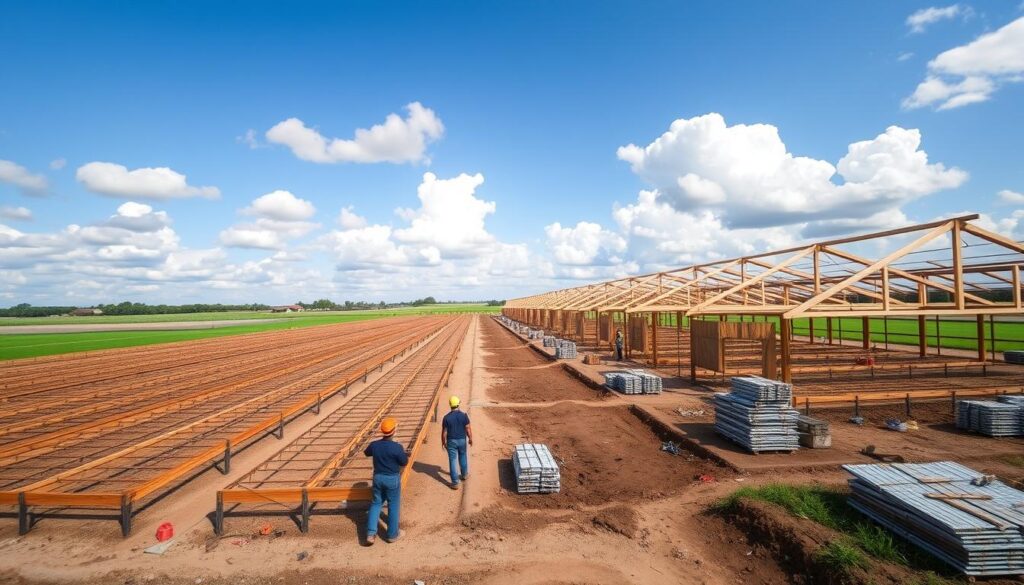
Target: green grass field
{"type": "Point", "coordinates": [15, 346]}
{"type": "Point", "coordinates": [956, 334]}
{"type": "Point", "coordinates": [237, 315]}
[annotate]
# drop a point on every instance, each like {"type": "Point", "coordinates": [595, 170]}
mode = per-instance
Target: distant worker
{"type": "Point", "coordinates": [618, 344]}
{"type": "Point", "coordinates": [455, 433]}
{"type": "Point", "coordinates": [388, 460]}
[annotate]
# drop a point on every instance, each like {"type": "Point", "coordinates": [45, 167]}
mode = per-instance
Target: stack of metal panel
{"type": "Point", "coordinates": [624, 382]}
{"type": "Point", "coordinates": [757, 414]}
{"type": "Point", "coordinates": [535, 334]}
{"type": "Point", "coordinates": [968, 520]}
{"type": "Point", "coordinates": [550, 341]}
{"type": "Point", "coordinates": [650, 383]}
{"type": "Point", "coordinates": [1015, 356]}
{"type": "Point", "coordinates": [536, 470]}
{"type": "Point", "coordinates": [992, 418]}
{"type": "Point", "coordinates": [565, 350]}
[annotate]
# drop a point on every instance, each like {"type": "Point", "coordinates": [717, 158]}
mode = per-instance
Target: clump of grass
{"type": "Point", "coordinates": [829, 508]}
{"type": "Point", "coordinates": [1014, 460]}
{"type": "Point", "coordinates": [842, 557]}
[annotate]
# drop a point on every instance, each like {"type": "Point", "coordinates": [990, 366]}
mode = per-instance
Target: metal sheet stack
{"type": "Point", "coordinates": [565, 350]}
{"type": "Point", "coordinates": [757, 414]}
{"type": "Point", "coordinates": [536, 470]}
{"type": "Point", "coordinates": [1015, 356]}
{"type": "Point", "coordinates": [550, 341]}
{"type": "Point", "coordinates": [624, 382]}
{"type": "Point", "coordinates": [1003, 418]}
{"type": "Point", "coordinates": [970, 521]}
{"type": "Point", "coordinates": [650, 383]}
{"type": "Point", "coordinates": [534, 334]}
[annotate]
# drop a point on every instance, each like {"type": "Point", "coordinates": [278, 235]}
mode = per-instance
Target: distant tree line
{"type": "Point", "coordinates": [129, 308]}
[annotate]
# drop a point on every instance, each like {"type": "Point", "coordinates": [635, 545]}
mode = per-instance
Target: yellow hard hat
{"type": "Point", "coordinates": [388, 426]}
{"type": "Point", "coordinates": [454, 402]}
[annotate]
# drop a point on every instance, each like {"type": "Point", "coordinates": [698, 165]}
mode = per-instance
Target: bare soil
{"type": "Point", "coordinates": [607, 455]}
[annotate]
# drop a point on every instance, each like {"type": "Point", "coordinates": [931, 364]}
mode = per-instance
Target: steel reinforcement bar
{"type": "Point", "coordinates": [125, 478]}
{"type": "Point", "coordinates": [325, 464]}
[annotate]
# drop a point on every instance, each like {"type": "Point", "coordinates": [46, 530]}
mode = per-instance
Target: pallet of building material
{"type": "Point", "coordinates": [624, 382]}
{"type": "Point", "coordinates": [650, 383]}
{"type": "Point", "coordinates": [565, 350]}
{"type": "Point", "coordinates": [1015, 356]}
{"type": "Point", "coordinates": [536, 470]}
{"type": "Point", "coordinates": [970, 521]}
{"type": "Point", "coordinates": [757, 414]}
{"type": "Point", "coordinates": [550, 341]}
{"type": "Point", "coordinates": [992, 418]}
{"type": "Point", "coordinates": [592, 359]}
{"type": "Point", "coordinates": [814, 432]}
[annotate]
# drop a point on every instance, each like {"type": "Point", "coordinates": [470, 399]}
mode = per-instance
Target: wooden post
{"type": "Point", "coordinates": [922, 339]}
{"type": "Point", "coordinates": [958, 267]}
{"type": "Point", "coordinates": [679, 349]}
{"type": "Point", "coordinates": [992, 335]}
{"type": "Point", "coordinates": [981, 338]}
{"type": "Point", "coordinates": [625, 335]}
{"type": "Point", "coordinates": [654, 339]}
{"type": "Point", "coordinates": [865, 332]}
{"type": "Point", "coordinates": [693, 351]}
{"type": "Point", "coordinates": [828, 329]}
{"type": "Point", "coordinates": [938, 337]}
{"type": "Point", "coordinates": [786, 329]}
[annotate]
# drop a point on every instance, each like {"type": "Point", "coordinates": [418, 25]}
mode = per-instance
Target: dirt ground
{"type": "Point", "coordinates": [628, 512]}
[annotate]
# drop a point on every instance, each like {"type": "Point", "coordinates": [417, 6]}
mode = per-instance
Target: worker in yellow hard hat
{"type": "Point", "coordinates": [389, 457]}
{"type": "Point", "coordinates": [455, 434]}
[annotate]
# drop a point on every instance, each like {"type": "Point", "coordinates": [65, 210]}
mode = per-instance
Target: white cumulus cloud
{"type": "Point", "coordinates": [1011, 197]}
{"type": "Point", "coordinates": [745, 174]}
{"type": "Point", "coordinates": [15, 213]}
{"type": "Point", "coordinates": [450, 217]}
{"type": "Point", "coordinates": [397, 140]}
{"type": "Point", "coordinates": [348, 219]}
{"type": "Point", "coordinates": [22, 179]}
{"type": "Point", "coordinates": [585, 244]}
{"type": "Point", "coordinates": [158, 183]}
{"type": "Point", "coordinates": [923, 18]}
{"type": "Point", "coordinates": [971, 73]}
{"type": "Point", "coordinates": [279, 215]}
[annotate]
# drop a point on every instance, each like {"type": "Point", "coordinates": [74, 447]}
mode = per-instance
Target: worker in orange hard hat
{"type": "Point", "coordinates": [455, 435]}
{"type": "Point", "coordinates": [389, 458]}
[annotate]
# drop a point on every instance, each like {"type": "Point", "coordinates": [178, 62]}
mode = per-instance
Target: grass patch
{"type": "Point", "coordinates": [842, 557]}
{"type": "Point", "coordinates": [829, 508]}
{"type": "Point", "coordinates": [1014, 460]}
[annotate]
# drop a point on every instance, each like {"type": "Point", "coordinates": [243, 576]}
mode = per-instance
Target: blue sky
{"type": "Point", "coordinates": [537, 98]}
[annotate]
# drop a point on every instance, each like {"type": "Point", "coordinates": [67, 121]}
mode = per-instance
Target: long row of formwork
{"type": "Point", "coordinates": [326, 463]}
{"type": "Point", "coordinates": [123, 460]}
{"type": "Point", "coordinates": [89, 410]}
{"type": "Point", "coordinates": [945, 270]}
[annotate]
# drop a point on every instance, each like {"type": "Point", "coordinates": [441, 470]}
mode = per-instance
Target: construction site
{"type": "Point", "coordinates": [821, 414]}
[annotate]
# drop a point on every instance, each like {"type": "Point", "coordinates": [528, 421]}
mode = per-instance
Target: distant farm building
{"type": "Point", "coordinates": [287, 309]}
{"type": "Point", "coordinates": [85, 312]}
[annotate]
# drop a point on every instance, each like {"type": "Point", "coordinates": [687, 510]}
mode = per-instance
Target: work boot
{"type": "Point", "coordinates": [401, 533]}
{"type": "Point", "coordinates": [453, 486]}
{"type": "Point", "coordinates": [464, 476]}
{"type": "Point", "coordinates": [370, 540]}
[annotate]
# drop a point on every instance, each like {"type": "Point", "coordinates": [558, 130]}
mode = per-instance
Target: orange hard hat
{"type": "Point", "coordinates": [388, 426]}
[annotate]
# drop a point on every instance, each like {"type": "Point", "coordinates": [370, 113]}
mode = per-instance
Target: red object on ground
{"type": "Point", "coordinates": [865, 361]}
{"type": "Point", "coordinates": [165, 531]}
{"type": "Point", "coordinates": [706, 478]}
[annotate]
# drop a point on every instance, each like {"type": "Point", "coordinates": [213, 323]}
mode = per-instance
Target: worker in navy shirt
{"type": "Point", "coordinates": [388, 460]}
{"type": "Point", "coordinates": [455, 434]}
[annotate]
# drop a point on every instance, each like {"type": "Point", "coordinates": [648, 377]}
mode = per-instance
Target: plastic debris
{"type": "Point", "coordinates": [159, 548]}
{"type": "Point", "coordinates": [670, 447]}
{"type": "Point", "coordinates": [895, 424]}
{"type": "Point", "coordinates": [857, 420]}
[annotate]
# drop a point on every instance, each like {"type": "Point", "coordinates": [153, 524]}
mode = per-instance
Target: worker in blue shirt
{"type": "Point", "coordinates": [455, 434]}
{"type": "Point", "coordinates": [388, 460]}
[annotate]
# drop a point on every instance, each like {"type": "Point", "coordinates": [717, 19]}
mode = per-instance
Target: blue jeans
{"type": "Point", "coordinates": [386, 488]}
{"type": "Point", "coordinates": [457, 448]}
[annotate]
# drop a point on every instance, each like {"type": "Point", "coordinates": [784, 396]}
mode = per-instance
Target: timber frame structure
{"type": "Point", "coordinates": [950, 268]}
